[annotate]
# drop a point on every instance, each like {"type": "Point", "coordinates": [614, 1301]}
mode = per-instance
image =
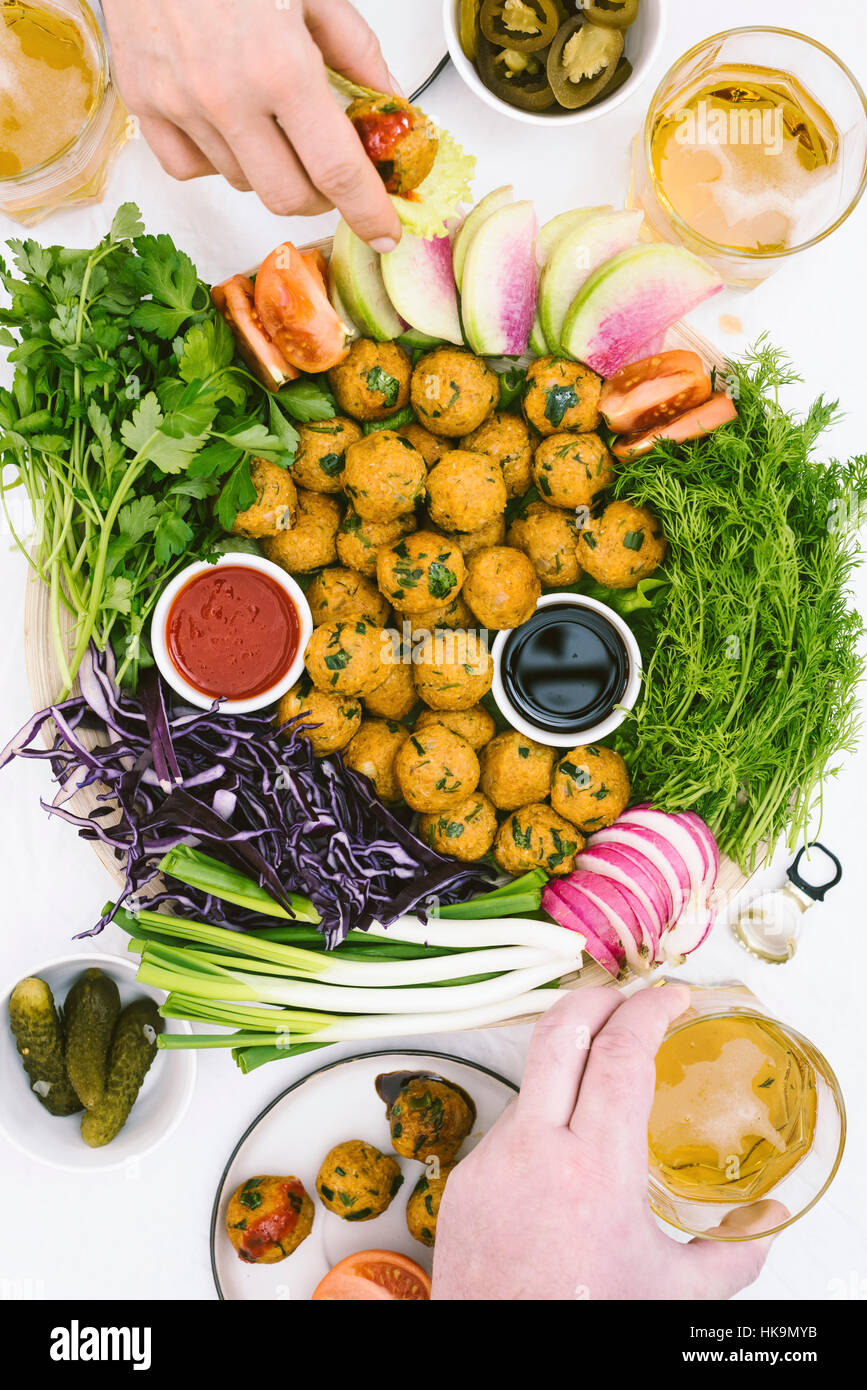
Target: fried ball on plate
{"type": "Point", "coordinates": [372, 753]}
{"type": "Point", "coordinates": [430, 1119]}
{"type": "Point", "coordinates": [321, 454]}
{"type": "Point", "coordinates": [344, 593]}
{"type": "Point", "coordinates": [502, 586]}
{"type": "Point", "coordinates": [561, 395]}
{"type": "Point", "coordinates": [429, 446]}
{"type": "Point", "coordinates": [337, 717]}
{"type": "Point", "coordinates": [356, 1181]}
{"type": "Point", "coordinates": [536, 837]}
{"type": "Point", "coordinates": [267, 1218]}
{"type": "Point", "coordinates": [453, 670]}
{"type": "Point", "coordinates": [571, 469]}
{"type": "Point", "coordinates": [423, 1206]}
{"type": "Point", "coordinates": [384, 476]}
{"type": "Point", "coordinates": [436, 769]}
{"type": "Point", "coordinates": [399, 138]}
{"type": "Point", "coordinates": [549, 536]}
{"type": "Point", "coordinates": [467, 831]}
{"type": "Point", "coordinates": [396, 696]}
{"type": "Point", "coordinates": [310, 543]}
{"type": "Point", "coordinates": [419, 572]}
{"type": "Point", "coordinates": [516, 770]}
{"type": "Point", "coordinates": [506, 438]}
{"type": "Point", "coordinates": [372, 381]}
{"type": "Point", "coordinates": [453, 391]}
{"type": "Point", "coordinates": [493, 533]}
{"type": "Point", "coordinates": [466, 491]}
{"type": "Point", "coordinates": [349, 657]}
{"type": "Point", "coordinates": [276, 505]}
{"type": "Point", "coordinates": [473, 724]}
{"type": "Point", "coordinates": [359, 540]}
{"type": "Point", "coordinates": [622, 545]}
{"type": "Point", "coordinates": [591, 786]}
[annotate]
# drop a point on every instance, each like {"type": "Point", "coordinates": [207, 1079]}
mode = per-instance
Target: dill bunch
{"type": "Point", "coordinates": [752, 668]}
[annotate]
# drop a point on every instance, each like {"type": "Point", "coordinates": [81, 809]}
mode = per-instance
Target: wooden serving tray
{"type": "Point", "coordinates": [44, 680]}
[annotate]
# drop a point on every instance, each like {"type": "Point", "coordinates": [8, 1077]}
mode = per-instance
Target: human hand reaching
{"type": "Point", "coordinates": [552, 1204]}
{"type": "Point", "coordinates": [239, 88]}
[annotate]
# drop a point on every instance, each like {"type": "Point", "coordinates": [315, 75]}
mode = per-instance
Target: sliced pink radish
{"type": "Point", "coordinates": [499, 282]}
{"type": "Point", "coordinates": [598, 921]}
{"type": "Point", "coordinates": [632, 872]}
{"type": "Point", "coordinates": [625, 912]}
{"type": "Point", "coordinates": [696, 823]}
{"type": "Point", "coordinates": [605, 898]}
{"type": "Point", "coordinates": [661, 853]}
{"type": "Point", "coordinates": [688, 934]}
{"type": "Point", "coordinates": [420, 283]}
{"type": "Point", "coordinates": [685, 841]}
{"type": "Point", "coordinates": [566, 915]}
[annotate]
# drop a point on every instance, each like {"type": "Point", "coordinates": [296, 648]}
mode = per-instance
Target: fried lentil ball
{"type": "Point", "coordinates": [621, 545]}
{"type": "Point", "coordinates": [506, 438]}
{"type": "Point", "coordinates": [372, 381]}
{"type": "Point", "coordinates": [453, 670]}
{"type": "Point", "coordinates": [338, 717]}
{"type": "Point", "coordinates": [561, 395]}
{"type": "Point", "coordinates": [453, 391]}
{"type": "Point", "coordinates": [276, 505]}
{"type": "Point", "coordinates": [359, 540]}
{"type": "Point", "coordinates": [342, 593]}
{"type": "Point", "coordinates": [473, 724]}
{"type": "Point", "coordinates": [536, 837]}
{"type": "Point", "coordinates": [350, 657]}
{"type": "Point", "coordinates": [449, 616]}
{"type": "Point", "coordinates": [420, 571]}
{"type": "Point", "coordinates": [591, 786]}
{"type": "Point", "coordinates": [372, 753]}
{"type": "Point", "coordinates": [436, 769]}
{"type": "Point", "coordinates": [356, 1181]}
{"type": "Point", "coordinates": [501, 586]}
{"type": "Point", "coordinates": [400, 139]}
{"type": "Point", "coordinates": [423, 1206]}
{"type": "Point", "coordinates": [467, 832]}
{"type": "Point", "coordinates": [516, 770]}
{"type": "Point", "coordinates": [321, 455]}
{"type": "Point", "coordinates": [311, 542]}
{"type": "Point", "coordinates": [384, 476]}
{"type": "Point", "coordinates": [494, 533]}
{"type": "Point", "coordinates": [571, 469]}
{"type": "Point", "coordinates": [396, 696]}
{"type": "Point", "coordinates": [429, 446]}
{"type": "Point", "coordinates": [549, 537]}
{"type": "Point", "coordinates": [466, 491]}
{"type": "Point", "coordinates": [267, 1218]}
{"type": "Point", "coordinates": [430, 1119]}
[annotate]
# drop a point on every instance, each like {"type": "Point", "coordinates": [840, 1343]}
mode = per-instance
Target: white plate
{"type": "Point", "coordinates": [337, 1102]}
{"type": "Point", "coordinates": [412, 38]}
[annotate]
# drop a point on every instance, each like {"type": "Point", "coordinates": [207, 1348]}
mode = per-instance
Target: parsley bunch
{"type": "Point", "coordinates": [130, 425]}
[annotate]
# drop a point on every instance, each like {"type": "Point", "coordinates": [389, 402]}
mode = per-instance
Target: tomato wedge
{"type": "Point", "coordinates": [718, 410]}
{"type": "Point", "coordinates": [374, 1275]}
{"type": "Point", "coordinates": [654, 390]}
{"type": "Point", "coordinates": [293, 306]}
{"type": "Point", "coordinates": [234, 300]}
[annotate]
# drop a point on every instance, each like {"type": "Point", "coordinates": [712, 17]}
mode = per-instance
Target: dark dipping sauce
{"type": "Point", "coordinates": [565, 669]}
{"type": "Point", "coordinates": [232, 632]}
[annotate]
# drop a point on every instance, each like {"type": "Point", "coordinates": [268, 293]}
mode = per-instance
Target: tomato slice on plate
{"type": "Point", "coordinates": [654, 390]}
{"type": "Point", "coordinates": [235, 301]}
{"type": "Point", "coordinates": [375, 1275]}
{"type": "Point", "coordinates": [718, 410]}
{"type": "Point", "coordinates": [293, 306]}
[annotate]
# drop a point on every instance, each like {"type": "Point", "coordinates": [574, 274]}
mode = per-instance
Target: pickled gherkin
{"type": "Point", "coordinates": [38, 1035]}
{"type": "Point", "coordinates": [89, 1015]}
{"type": "Point", "coordinates": [133, 1048]}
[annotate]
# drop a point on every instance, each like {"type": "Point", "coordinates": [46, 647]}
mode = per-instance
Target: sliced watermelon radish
{"type": "Point", "coordinates": [357, 276]}
{"type": "Point", "coordinates": [498, 291]}
{"type": "Point", "coordinates": [420, 282]}
{"type": "Point", "coordinates": [549, 235]}
{"type": "Point", "coordinates": [573, 260]}
{"type": "Point", "coordinates": [576, 914]}
{"type": "Point", "coordinates": [491, 203]}
{"type": "Point", "coordinates": [634, 872]}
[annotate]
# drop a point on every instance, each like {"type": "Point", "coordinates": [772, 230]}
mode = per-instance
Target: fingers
{"type": "Point", "coordinates": [721, 1268]}
{"type": "Point", "coordinates": [177, 153]}
{"type": "Point", "coordinates": [617, 1087]}
{"type": "Point", "coordinates": [558, 1054]}
{"type": "Point", "coordinates": [275, 171]}
{"type": "Point", "coordinates": [348, 44]}
{"type": "Point", "coordinates": [335, 160]}
{"type": "Point", "coordinates": [217, 152]}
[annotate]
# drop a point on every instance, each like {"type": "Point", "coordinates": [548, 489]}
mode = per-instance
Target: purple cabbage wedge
{"type": "Point", "coordinates": [251, 796]}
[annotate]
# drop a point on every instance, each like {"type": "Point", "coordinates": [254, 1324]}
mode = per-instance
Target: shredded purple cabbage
{"type": "Point", "coordinates": [250, 795]}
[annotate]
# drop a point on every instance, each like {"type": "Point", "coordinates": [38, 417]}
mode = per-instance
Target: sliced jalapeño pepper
{"type": "Point", "coordinates": [613, 14]}
{"type": "Point", "coordinates": [468, 15]}
{"type": "Point", "coordinates": [517, 78]}
{"type": "Point", "coordinates": [582, 61]}
{"type": "Point", "coordinates": [522, 26]}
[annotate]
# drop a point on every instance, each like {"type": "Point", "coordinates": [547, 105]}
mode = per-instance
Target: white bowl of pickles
{"type": "Point", "coordinates": [137, 1095]}
{"type": "Point", "coordinates": [553, 62]}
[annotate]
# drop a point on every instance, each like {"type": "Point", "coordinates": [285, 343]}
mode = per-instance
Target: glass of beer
{"type": "Point", "coordinates": [61, 118]}
{"type": "Point", "coordinates": [745, 1108]}
{"type": "Point", "coordinates": [754, 148]}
